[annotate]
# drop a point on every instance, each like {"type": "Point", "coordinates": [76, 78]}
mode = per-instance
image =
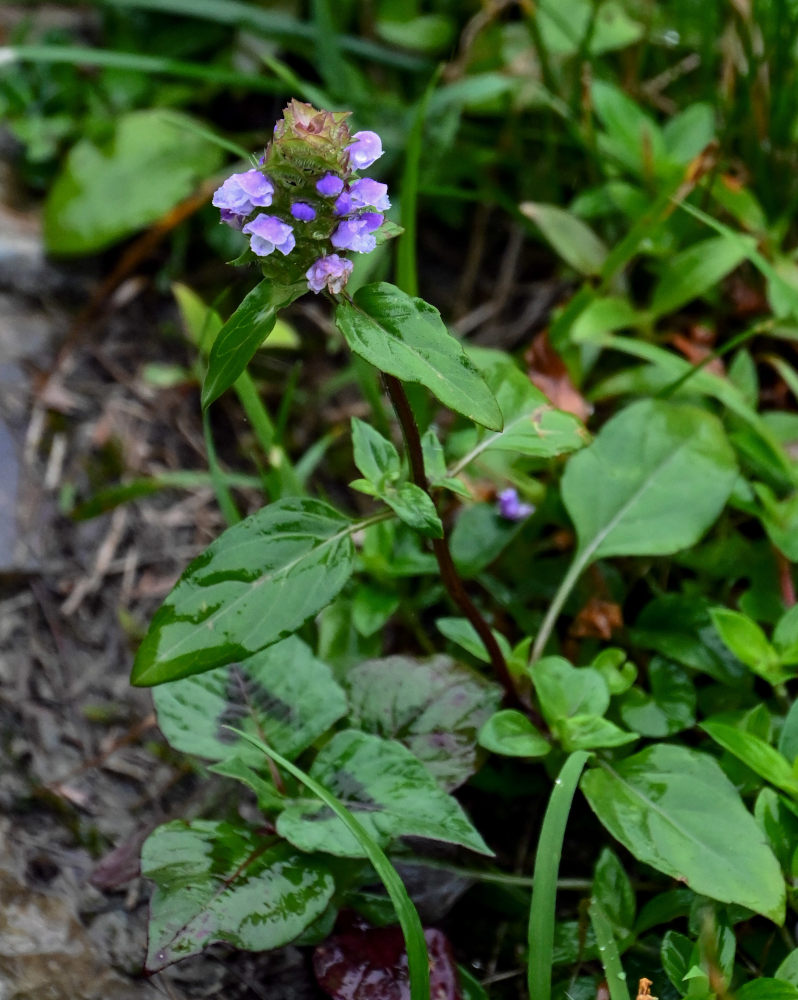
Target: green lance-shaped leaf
{"type": "Point", "coordinates": [104, 193]}
{"type": "Point", "coordinates": [282, 691]}
{"type": "Point", "coordinates": [221, 882]}
{"type": "Point", "coordinates": [435, 707]}
{"type": "Point", "coordinates": [258, 582]}
{"type": "Point", "coordinates": [390, 792]}
{"type": "Point", "coordinates": [676, 810]}
{"type": "Point", "coordinates": [531, 425]}
{"type": "Point", "coordinates": [378, 460]}
{"type": "Point", "coordinates": [762, 758]}
{"type": "Point", "coordinates": [406, 337]}
{"type": "Point", "coordinates": [243, 334]}
{"type": "Point", "coordinates": [749, 644]}
{"type": "Point", "coordinates": [696, 270]}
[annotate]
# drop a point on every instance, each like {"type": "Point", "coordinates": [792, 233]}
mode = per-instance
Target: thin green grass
{"type": "Point", "coordinates": [608, 952]}
{"type": "Point", "coordinates": [417, 956]}
{"type": "Point", "coordinates": [406, 265]}
{"type": "Point", "coordinates": [547, 864]}
{"type": "Point", "coordinates": [223, 495]}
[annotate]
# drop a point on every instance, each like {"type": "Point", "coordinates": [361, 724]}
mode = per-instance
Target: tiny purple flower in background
{"type": "Point", "coordinates": [269, 234]}
{"type": "Point", "coordinates": [241, 194]}
{"type": "Point", "coordinates": [365, 150]}
{"type": "Point", "coordinates": [367, 193]}
{"type": "Point", "coordinates": [330, 272]}
{"type": "Point", "coordinates": [511, 508]}
{"type": "Point", "coordinates": [330, 186]}
{"type": "Point", "coordinates": [353, 234]}
{"type": "Point", "coordinates": [343, 204]}
{"type": "Point", "coordinates": [302, 211]}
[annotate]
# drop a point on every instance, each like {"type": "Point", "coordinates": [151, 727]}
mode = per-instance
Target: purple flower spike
{"type": "Point", "coordinates": [302, 211]}
{"type": "Point", "coordinates": [367, 193]}
{"type": "Point", "coordinates": [365, 150]}
{"type": "Point", "coordinates": [330, 186]}
{"type": "Point", "coordinates": [343, 204]}
{"type": "Point", "coordinates": [511, 508]}
{"type": "Point", "coordinates": [353, 234]}
{"type": "Point", "coordinates": [269, 234]}
{"type": "Point", "coordinates": [242, 193]}
{"type": "Point", "coordinates": [331, 272]}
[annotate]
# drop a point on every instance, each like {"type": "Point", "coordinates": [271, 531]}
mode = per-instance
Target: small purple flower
{"type": "Point", "coordinates": [373, 220]}
{"type": "Point", "coordinates": [353, 234]}
{"type": "Point", "coordinates": [330, 272]}
{"type": "Point", "coordinates": [511, 508]}
{"type": "Point", "coordinates": [367, 193]}
{"type": "Point", "coordinates": [366, 148]}
{"type": "Point", "coordinates": [269, 234]}
{"type": "Point", "coordinates": [302, 211]}
{"type": "Point", "coordinates": [231, 218]}
{"type": "Point", "coordinates": [343, 204]}
{"type": "Point", "coordinates": [241, 194]}
{"type": "Point", "coordinates": [329, 186]}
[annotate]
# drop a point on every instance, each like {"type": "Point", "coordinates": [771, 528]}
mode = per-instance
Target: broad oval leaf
{"type": "Point", "coordinates": [680, 628]}
{"type": "Point", "coordinates": [221, 882]}
{"type": "Point", "coordinates": [570, 237]}
{"type": "Point", "coordinates": [434, 707]}
{"type": "Point", "coordinates": [676, 810]}
{"type": "Point", "coordinates": [511, 734]}
{"type": "Point", "coordinates": [564, 690]}
{"type": "Point", "coordinates": [587, 732]}
{"type": "Point", "coordinates": [653, 481]}
{"type": "Point", "coordinates": [104, 193]}
{"type": "Point", "coordinates": [243, 334]}
{"type": "Point", "coordinates": [283, 691]}
{"type": "Point", "coordinates": [668, 709]}
{"type": "Point", "coordinates": [390, 792]}
{"type": "Point", "coordinates": [258, 582]}
{"type": "Point", "coordinates": [406, 337]}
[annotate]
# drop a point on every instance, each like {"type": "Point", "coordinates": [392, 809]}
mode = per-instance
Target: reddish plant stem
{"type": "Point", "coordinates": [786, 585]}
{"type": "Point", "coordinates": [440, 546]}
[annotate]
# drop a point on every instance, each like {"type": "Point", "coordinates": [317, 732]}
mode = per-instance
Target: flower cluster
{"type": "Point", "coordinates": [319, 209]}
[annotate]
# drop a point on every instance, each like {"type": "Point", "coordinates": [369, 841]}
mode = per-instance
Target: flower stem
{"type": "Point", "coordinates": [559, 599]}
{"type": "Point", "coordinates": [440, 546]}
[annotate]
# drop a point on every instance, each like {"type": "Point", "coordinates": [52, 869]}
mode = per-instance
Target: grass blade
{"type": "Point", "coordinates": [608, 952]}
{"type": "Point", "coordinates": [406, 269]}
{"type": "Point", "coordinates": [417, 957]}
{"type": "Point", "coordinates": [223, 495]}
{"type": "Point", "coordinates": [78, 55]}
{"type": "Point", "coordinates": [547, 863]}
{"type": "Point", "coordinates": [275, 24]}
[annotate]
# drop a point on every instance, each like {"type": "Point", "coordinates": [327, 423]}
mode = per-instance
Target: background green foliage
{"type": "Point", "coordinates": [643, 157]}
